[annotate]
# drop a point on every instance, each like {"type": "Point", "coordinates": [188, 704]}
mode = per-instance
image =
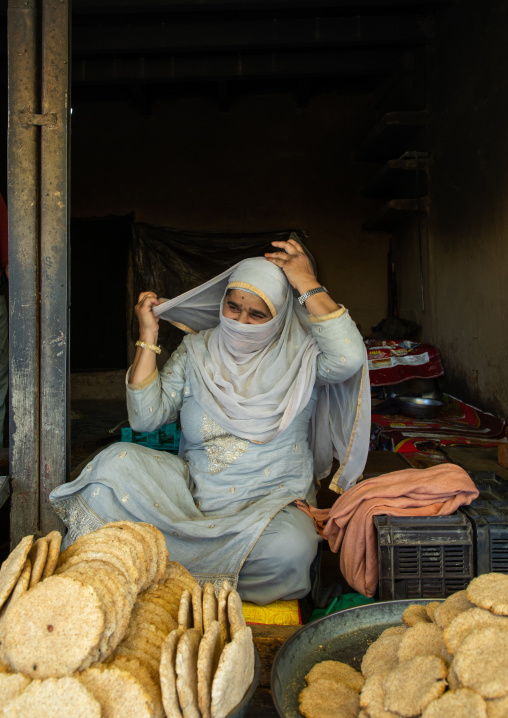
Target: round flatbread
{"type": "Point", "coordinates": [422, 639]}
{"type": "Point", "coordinates": [328, 699]}
{"type": "Point", "coordinates": [11, 685]}
{"type": "Point", "coordinates": [54, 698]}
{"type": "Point", "coordinates": [13, 566]}
{"type": "Point", "coordinates": [468, 621]}
{"type": "Point", "coordinates": [54, 539]}
{"type": "Point", "coordinates": [234, 673]}
{"type": "Point", "coordinates": [149, 540]}
{"type": "Point", "coordinates": [162, 552]}
{"type": "Point", "coordinates": [185, 610]}
{"type": "Point", "coordinates": [481, 662]}
{"type": "Point", "coordinates": [413, 684]}
{"type": "Point", "coordinates": [137, 545]}
{"type": "Point", "coordinates": [338, 672]}
{"type": "Point", "coordinates": [175, 574]}
{"type": "Point", "coordinates": [168, 674]}
{"type": "Point", "coordinates": [210, 649]}
{"type": "Point", "coordinates": [225, 633]}
{"type": "Point", "coordinates": [490, 591]}
{"type": "Point", "coordinates": [210, 607]}
{"type": "Point", "coordinates": [110, 544]}
{"type": "Point", "coordinates": [140, 673]}
{"type": "Point", "coordinates": [235, 613]}
{"type": "Point", "coordinates": [19, 589]}
{"type": "Point", "coordinates": [497, 708]}
{"type": "Point", "coordinates": [52, 628]}
{"type": "Point", "coordinates": [372, 697]}
{"type": "Point", "coordinates": [381, 656]}
{"type": "Point", "coordinates": [452, 679]}
{"type": "Point", "coordinates": [414, 614]}
{"type": "Point", "coordinates": [186, 665]}
{"type": "Point", "coordinates": [197, 608]}
{"type": "Point", "coordinates": [457, 704]}
{"type": "Point", "coordinates": [454, 604]}
{"type": "Point", "coordinates": [38, 555]}
{"type": "Point", "coordinates": [118, 692]}
{"type": "Point", "coordinates": [430, 608]}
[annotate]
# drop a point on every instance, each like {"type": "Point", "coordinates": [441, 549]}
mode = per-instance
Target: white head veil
{"type": "Point", "coordinates": [254, 379]}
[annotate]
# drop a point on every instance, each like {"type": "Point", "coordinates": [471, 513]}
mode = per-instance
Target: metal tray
{"type": "Point", "coordinates": [342, 636]}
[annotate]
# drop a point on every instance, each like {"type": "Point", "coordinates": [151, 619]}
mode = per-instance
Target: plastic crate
{"type": "Point", "coordinates": [165, 438]}
{"type": "Point", "coordinates": [490, 485]}
{"type": "Point", "coordinates": [423, 556]}
{"type": "Point", "coordinates": [488, 515]}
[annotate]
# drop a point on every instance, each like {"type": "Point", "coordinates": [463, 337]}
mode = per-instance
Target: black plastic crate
{"type": "Point", "coordinates": [423, 556]}
{"type": "Point", "coordinates": [490, 485]}
{"type": "Point", "coordinates": [489, 518]}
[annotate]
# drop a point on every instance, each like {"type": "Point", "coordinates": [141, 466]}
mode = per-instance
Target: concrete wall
{"type": "Point", "coordinates": [465, 242]}
{"type": "Point", "coordinates": [263, 165]}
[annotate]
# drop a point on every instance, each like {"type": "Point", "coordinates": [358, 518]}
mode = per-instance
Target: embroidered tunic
{"type": "Point", "coordinates": [214, 502]}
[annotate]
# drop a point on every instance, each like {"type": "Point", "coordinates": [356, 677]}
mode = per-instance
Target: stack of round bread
{"type": "Point", "coordinates": [207, 662]}
{"type": "Point", "coordinates": [448, 660]}
{"type": "Point", "coordinates": [100, 629]}
{"type": "Point", "coordinates": [87, 638]}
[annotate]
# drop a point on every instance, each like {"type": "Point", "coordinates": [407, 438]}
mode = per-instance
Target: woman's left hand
{"type": "Point", "coordinates": [295, 264]}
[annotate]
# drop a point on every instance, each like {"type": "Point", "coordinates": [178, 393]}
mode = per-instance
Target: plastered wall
{"type": "Point", "coordinates": [262, 165]}
{"type": "Point", "coordinates": [465, 242]}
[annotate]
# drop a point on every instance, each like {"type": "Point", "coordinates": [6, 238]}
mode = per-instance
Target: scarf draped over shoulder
{"type": "Point", "coordinates": [254, 379]}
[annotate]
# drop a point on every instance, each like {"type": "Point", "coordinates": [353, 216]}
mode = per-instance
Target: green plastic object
{"type": "Point", "coordinates": [165, 438]}
{"type": "Point", "coordinates": [347, 600]}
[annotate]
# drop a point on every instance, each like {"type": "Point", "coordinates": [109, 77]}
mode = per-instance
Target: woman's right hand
{"type": "Point", "coordinates": [148, 322]}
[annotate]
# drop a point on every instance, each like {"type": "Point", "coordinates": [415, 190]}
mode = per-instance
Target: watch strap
{"type": "Point", "coordinates": [303, 298]}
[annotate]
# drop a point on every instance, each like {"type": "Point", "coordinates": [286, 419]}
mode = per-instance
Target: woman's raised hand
{"type": "Point", "coordinates": [295, 264]}
{"type": "Point", "coordinates": [148, 322]}
{"type": "Point", "coordinates": [297, 267]}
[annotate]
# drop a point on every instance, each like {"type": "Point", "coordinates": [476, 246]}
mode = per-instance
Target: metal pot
{"type": "Point", "coordinates": [418, 408]}
{"type": "Point", "coordinates": [342, 636]}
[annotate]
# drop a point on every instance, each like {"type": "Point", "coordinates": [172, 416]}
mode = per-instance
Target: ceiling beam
{"type": "Point", "coordinates": [254, 34]}
{"type": "Point", "coordinates": [99, 7]}
{"type": "Point", "coordinates": [324, 63]}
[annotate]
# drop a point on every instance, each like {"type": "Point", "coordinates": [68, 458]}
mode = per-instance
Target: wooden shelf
{"type": "Point", "coordinates": [395, 213]}
{"type": "Point", "coordinates": [398, 178]}
{"type": "Point", "coordinates": [395, 133]}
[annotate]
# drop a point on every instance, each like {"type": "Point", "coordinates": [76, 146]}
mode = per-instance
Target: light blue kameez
{"type": "Point", "coordinates": [224, 506]}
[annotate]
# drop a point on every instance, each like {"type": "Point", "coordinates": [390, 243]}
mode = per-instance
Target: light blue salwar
{"type": "Point", "coordinates": [225, 506]}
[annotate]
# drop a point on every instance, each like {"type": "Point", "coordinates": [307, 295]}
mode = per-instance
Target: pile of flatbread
{"type": "Point", "coordinates": [84, 633]}
{"type": "Point", "coordinates": [447, 660]}
{"type": "Point", "coordinates": [207, 662]}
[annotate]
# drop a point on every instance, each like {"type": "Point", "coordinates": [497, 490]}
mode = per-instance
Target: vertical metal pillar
{"type": "Point", "coordinates": [38, 207]}
{"type": "Point", "coordinates": [54, 256]}
{"type": "Point", "coordinates": [23, 209]}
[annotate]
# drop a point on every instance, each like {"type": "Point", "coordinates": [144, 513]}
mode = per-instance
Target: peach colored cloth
{"type": "Point", "coordinates": [348, 525]}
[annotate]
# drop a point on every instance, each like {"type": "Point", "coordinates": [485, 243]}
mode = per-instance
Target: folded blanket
{"type": "Point", "coordinates": [348, 525]}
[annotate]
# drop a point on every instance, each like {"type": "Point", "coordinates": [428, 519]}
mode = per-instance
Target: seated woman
{"type": "Point", "coordinates": [267, 389]}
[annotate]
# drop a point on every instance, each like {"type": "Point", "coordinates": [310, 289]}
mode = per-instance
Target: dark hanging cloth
{"type": "Point", "coordinates": [171, 261]}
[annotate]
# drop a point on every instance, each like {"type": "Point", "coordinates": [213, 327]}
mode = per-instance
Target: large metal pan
{"type": "Point", "coordinates": [343, 636]}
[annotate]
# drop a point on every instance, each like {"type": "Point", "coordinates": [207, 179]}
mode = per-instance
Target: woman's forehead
{"type": "Point", "coordinates": [247, 300]}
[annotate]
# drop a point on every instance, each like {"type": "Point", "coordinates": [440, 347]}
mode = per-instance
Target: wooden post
{"type": "Point", "coordinates": [38, 206]}
{"type": "Point", "coordinates": [23, 209]}
{"type": "Point", "coordinates": [54, 257]}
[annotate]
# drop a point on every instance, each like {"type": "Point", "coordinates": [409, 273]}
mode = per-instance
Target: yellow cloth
{"type": "Point", "coordinates": [280, 613]}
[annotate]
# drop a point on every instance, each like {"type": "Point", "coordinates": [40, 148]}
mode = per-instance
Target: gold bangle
{"type": "Point", "coordinates": [152, 347]}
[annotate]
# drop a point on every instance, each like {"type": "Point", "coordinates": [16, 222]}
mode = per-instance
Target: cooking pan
{"type": "Point", "coordinates": [342, 636]}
